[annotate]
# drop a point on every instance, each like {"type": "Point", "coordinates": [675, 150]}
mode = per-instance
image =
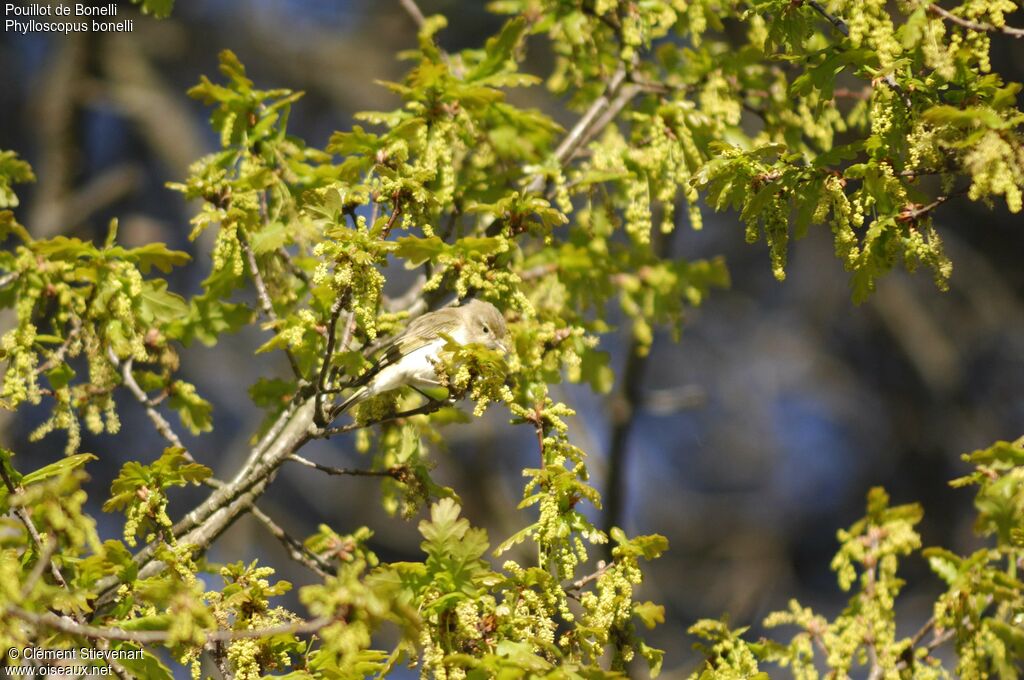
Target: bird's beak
{"type": "Point", "coordinates": [502, 346]}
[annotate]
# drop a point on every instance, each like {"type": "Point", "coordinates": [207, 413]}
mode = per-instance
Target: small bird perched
{"type": "Point", "coordinates": [409, 358]}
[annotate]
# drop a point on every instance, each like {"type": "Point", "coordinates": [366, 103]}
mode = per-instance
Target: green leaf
{"type": "Point", "coordinates": [161, 9]}
{"type": "Point", "coordinates": [969, 117]}
{"type": "Point", "coordinates": [655, 658]}
{"type": "Point", "coordinates": [8, 226]}
{"type": "Point", "coordinates": [152, 255]}
{"type": "Point", "coordinates": [111, 234]}
{"type": "Point", "coordinates": [944, 563]}
{"type": "Point", "coordinates": [500, 49]}
{"type": "Point", "coordinates": [418, 250]}
{"type": "Point", "coordinates": [357, 141]}
{"type": "Point", "coordinates": [156, 304]}
{"type": "Point", "coordinates": [142, 664]}
{"type": "Point", "coordinates": [208, 317]}
{"type": "Point", "coordinates": [60, 467]}
{"type": "Point", "coordinates": [651, 614]}
{"type": "Point", "coordinates": [270, 238]}
{"type": "Point", "coordinates": [60, 376]}
{"type": "Point", "coordinates": [193, 410]}
{"type": "Point", "coordinates": [13, 170]}
{"type": "Point", "coordinates": [65, 248]}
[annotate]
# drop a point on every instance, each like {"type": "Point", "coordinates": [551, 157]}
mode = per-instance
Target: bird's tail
{"type": "Point", "coordinates": [360, 394]}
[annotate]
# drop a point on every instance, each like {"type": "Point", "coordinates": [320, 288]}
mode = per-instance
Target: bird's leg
{"type": "Point", "coordinates": [422, 393]}
{"type": "Point", "coordinates": [448, 398]}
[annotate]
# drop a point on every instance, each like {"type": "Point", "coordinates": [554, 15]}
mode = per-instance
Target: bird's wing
{"type": "Point", "coordinates": [421, 332]}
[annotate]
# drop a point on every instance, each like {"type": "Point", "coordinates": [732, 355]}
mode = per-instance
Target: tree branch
{"type": "Point", "coordinates": [585, 128]}
{"type": "Point", "coordinates": [623, 417]}
{"type": "Point", "coordinates": [974, 25]}
{"type": "Point", "coordinates": [573, 589]}
{"type": "Point", "coordinates": [57, 356]}
{"type": "Point", "coordinates": [429, 407]}
{"type": "Point", "coordinates": [159, 422]}
{"type": "Point", "coordinates": [320, 418]}
{"type": "Point", "coordinates": [220, 660]}
{"type": "Point", "coordinates": [9, 278]}
{"type": "Point", "coordinates": [839, 24]}
{"type": "Point", "coordinates": [395, 472]}
{"type": "Point", "coordinates": [413, 10]}
{"type": "Point", "coordinates": [581, 583]}
{"type": "Point", "coordinates": [913, 212]}
{"type": "Point", "coordinates": [45, 552]}
{"type": "Point", "coordinates": [144, 637]}
{"type": "Point", "coordinates": [395, 213]}
{"type": "Point", "coordinates": [938, 639]}
{"type": "Point", "coordinates": [26, 519]}
{"type": "Point", "coordinates": [294, 546]}
{"type": "Point", "coordinates": [292, 267]}
{"type": "Point", "coordinates": [200, 527]}
{"type": "Point", "coordinates": [266, 305]}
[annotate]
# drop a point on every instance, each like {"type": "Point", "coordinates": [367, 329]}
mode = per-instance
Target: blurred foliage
{"type": "Point", "coordinates": [981, 612]}
{"type": "Point", "coordinates": [485, 199]}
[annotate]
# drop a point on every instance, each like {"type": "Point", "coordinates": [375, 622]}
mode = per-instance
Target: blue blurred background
{"type": "Point", "coordinates": [757, 435]}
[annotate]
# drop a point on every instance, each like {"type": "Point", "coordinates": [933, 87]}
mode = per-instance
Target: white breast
{"type": "Point", "coordinates": [416, 369]}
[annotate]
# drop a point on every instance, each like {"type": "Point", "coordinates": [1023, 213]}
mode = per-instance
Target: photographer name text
{"type": "Point", "coordinates": [72, 661]}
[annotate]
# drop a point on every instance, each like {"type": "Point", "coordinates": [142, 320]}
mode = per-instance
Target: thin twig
{"type": "Point", "coordinates": [321, 382]}
{"type": "Point", "coordinates": [289, 262]}
{"type": "Point", "coordinates": [26, 519]}
{"type": "Point", "coordinates": [429, 407]}
{"type": "Point", "coordinates": [581, 583]}
{"type": "Point", "coordinates": [539, 272]}
{"type": "Point", "coordinates": [912, 174]}
{"type": "Point", "coordinates": [44, 561]}
{"type": "Point", "coordinates": [938, 638]}
{"type": "Point", "coordinates": [159, 422]}
{"type": "Point", "coordinates": [912, 212]}
{"type": "Point", "coordinates": [295, 549]}
{"type": "Point", "coordinates": [413, 10]}
{"type": "Point", "coordinates": [922, 631]}
{"type": "Point", "coordinates": [204, 523]}
{"type": "Point", "coordinates": [395, 472]}
{"type": "Point", "coordinates": [862, 94]}
{"type": "Point", "coordinates": [57, 357]}
{"type": "Point", "coordinates": [876, 672]}
{"type": "Point", "coordinates": [266, 305]}
{"type": "Point", "coordinates": [623, 97]}
{"type": "Point", "coordinates": [143, 637]}
{"type": "Point", "coordinates": [839, 24]}
{"type": "Point", "coordinates": [220, 660]}
{"type": "Point", "coordinates": [395, 212]}
{"type": "Point", "coordinates": [8, 278]}
{"type": "Point", "coordinates": [974, 25]}
{"type": "Point", "coordinates": [584, 128]}
{"type": "Point", "coordinates": [45, 556]}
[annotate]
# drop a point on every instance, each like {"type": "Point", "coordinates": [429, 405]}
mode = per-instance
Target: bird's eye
{"type": "Point", "coordinates": [486, 329]}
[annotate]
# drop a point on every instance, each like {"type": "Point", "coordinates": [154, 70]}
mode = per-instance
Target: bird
{"type": "Point", "coordinates": [409, 358]}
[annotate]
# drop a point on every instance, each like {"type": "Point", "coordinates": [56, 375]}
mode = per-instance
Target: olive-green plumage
{"type": "Point", "coordinates": [409, 358]}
